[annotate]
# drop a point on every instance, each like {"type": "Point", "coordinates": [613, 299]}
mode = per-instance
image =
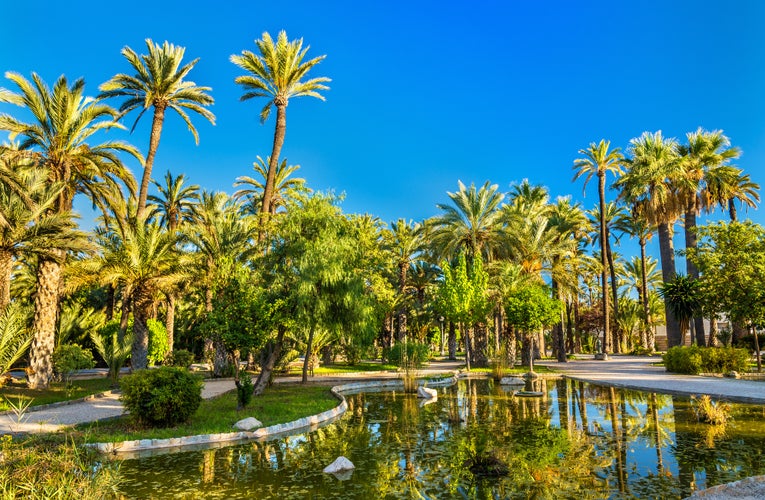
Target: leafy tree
{"type": "Point", "coordinates": [158, 83]}
{"type": "Point", "coordinates": [530, 308]}
{"type": "Point", "coordinates": [277, 74]}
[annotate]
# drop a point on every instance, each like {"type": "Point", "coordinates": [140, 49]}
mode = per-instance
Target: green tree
{"type": "Point", "coordinates": [530, 308]}
{"type": "Point", "coordinates": [158, 83]}
{"type": "Point", "coordinates": [287, 189]}
{"type": "Point", "coordinates": [404, 242]}
{"type": "Point", "coordinates": [682, 297]}
{"type": "Point", "coordinates": [277, 74]}
{"type": "Point", "coordinates": [15, 337]}
{"type": "Point", "coordinates": [63, 121]}
{"type": "Point", "coordinates": [599, 160]}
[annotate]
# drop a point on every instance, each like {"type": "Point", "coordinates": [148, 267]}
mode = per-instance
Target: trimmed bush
{"type": "Point", "coordinates": [416, 354]}
{"type": "Point", "coordinates": [694, 360]}
{"type": "Point", "coordinates": [161, 397]}
{"type": "Point", "coordinates": [180, 358]}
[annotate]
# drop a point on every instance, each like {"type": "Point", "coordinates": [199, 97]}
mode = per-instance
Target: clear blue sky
{"type": "Point", "coordinates": [425, 93]}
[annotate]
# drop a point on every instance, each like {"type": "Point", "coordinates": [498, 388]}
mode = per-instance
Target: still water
{"type": "Point", "coordinates": [478, 441]}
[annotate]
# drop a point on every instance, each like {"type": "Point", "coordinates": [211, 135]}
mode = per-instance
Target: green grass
{"type": "Point", "coordinates": [364, 366]}
{"type": "Point", "coordinates": [516, 370]}
{"type": "Point", "coordinates": [55, 393]}
{"type": "Point", "coordinates": [279, 404]}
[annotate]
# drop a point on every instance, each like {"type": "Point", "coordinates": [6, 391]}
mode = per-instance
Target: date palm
{"type": "Point", "coordinates": [175, 206]}
{"type": "Point", "coordinates": [649, 187]}
{"type": "Point", "coordinates": [159, 83]}
{"type": "Point", "coordinates": [63, 121]}
{"type": "Point", "coordinates": [404, 242]}
{"type": "Point", "coordinates": [599, 159]}
{"type": "Point", "coordinates": [286, 188]}
{"type": "Point", "coordinates": [725, 186]}
{"type": "Point", "coordinates": [277, 73]}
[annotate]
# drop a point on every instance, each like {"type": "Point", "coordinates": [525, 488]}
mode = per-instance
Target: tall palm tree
{"type": "Point", "coordinates": [63, 120]}
{"type": "Point", "coordinates": [286, 188]}
{"type": "Point", "coordinates": [470, 223]}
{"type": "Point", "coordinates": [704, 152]}
{"type": "Point", "coordinates": [649, 187]}
{"type": "Point", "coordinates": [599, 160]}
{"type": "Point", "coordinates": [277, 74]}
{"type": "Point", "coordinates": [158, 83]}
{"type": "Point", "coordinates": [145, 262]}
{"type": "Point", "coordinates": [404, 242]}
{"type": "Point", "coordinates": [174, 206]}
{"type": "Point", "coordinates": [725, 186]}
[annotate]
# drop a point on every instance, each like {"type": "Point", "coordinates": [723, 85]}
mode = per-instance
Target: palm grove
{"type": "Point", "coordinates": [277, 270]}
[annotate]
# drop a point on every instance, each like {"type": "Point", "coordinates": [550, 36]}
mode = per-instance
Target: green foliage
{"type": "Point", "coordinates": [69, 358]}
{"type": "Point", "coordinates": [180, 358]}
{"type": "Point", "coordinates": [747, 342]}
{"type": "Point", "coordinates": [415, 354]}
{"type": "Point", "coordinates": [42, 470]}
{"type": "Point", "coordinates": [463, 295]}
{"type": "Point", "coordinates": [694, 360]}
{"type": "Point", "coordinates": [710, 412]}
{"type": "Point", "coordinates": [15, 337]}
{"type": "Point", "coordinates": [158, 346]}
{"type": "Point", "coordinates": [531, 307]}
{"type": "Point", "coordinates": [243, 390]}
{"type": "Point", "coordinates": [112, 351]}
{"type": "Point", "coordinates": [683, 297]}
{"type": "Point", "coordinates": [161, 397]}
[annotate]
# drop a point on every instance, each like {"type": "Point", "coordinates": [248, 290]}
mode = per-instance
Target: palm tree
{"type": "Point", "coordinates": [470, 223]}
{"type": "Point", "coordinates": [649, 187]}
{"type": "Point", "coordinates": [144, 262]}
{"type": "Point", "coordinates": [704, 152]}
{"type": "Point", "coordinates": [683, 298]}
{"type": "Point", "coordinates": [286, 188]}
{"type": "Point", "coordinates": [277, 74]}
{"type": "Point", "coordinates": [404, 242]}
{"type": "Point", "coordinates": [599, 160]}
{"type": "Point", "coordinates": [725, 186]}
{"type": "Point", "coordinates": [158, 83]}
{"type": "Point", "coordinates": [175, 206]}
{"type": "Point", "coordinates": [56, 139]}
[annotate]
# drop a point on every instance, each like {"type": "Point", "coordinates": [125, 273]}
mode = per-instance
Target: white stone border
{"type": "Point", "coordinates": [306, 423]}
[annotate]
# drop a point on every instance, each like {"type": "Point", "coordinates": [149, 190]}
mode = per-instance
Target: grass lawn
{"type": "Point", "coordinates": [516, 370]}
{"type": "Point", "coordinates": [55, 393]}
{"type": "Point", "coordinates": [364, 366]}
{"type": "Point", "coordinates": [279, 404]}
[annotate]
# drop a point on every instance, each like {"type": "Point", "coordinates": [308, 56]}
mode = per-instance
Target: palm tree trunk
{"type": "Point", "coordinates": [604, 262]}
{"type": "Point", "coordinates": [713, 340]}
{"type": "Point", "coordinates": [452, 341]}
{"type": "Point", "coordinates": [647, 344]}
{"type": "Point", "coordinates": [618, 335]}
{"type": "Point", "coordinates": [170, 322]}
{"type": "Point", "coordinates": [692, 270]}
{"type": "Point", "coordinates": [156, 133]}
{"type": "Point", "coordinates": [46, 314]}
{"type": "Point", "coordinates": [308, 354]}
{"type": "Point", "coordinates": [6, 272]}
{"type": "Point", "coordinates": [141, 314]}
{"type": "Point", "coordinates": [732, 210]}
{"type": "Point", "coordinates": [667, 255]}
{"type": "Point", "coordinates": [279, 133]}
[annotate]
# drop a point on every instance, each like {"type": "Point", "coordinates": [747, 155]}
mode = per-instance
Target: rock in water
{"type": "Point", "coordinates": [512, 381]}
{"type": "Point", "coordinates": [340, 464]}
{"type": "Point", "coordinates": [426, 392]}
{"type": "Point", "coordinates": [248, 424]}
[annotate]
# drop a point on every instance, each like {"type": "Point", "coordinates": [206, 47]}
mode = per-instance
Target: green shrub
{"type": "Point", "coordinates": [694, 360]}
{"type": "Point", "coordinates": [158, 346]}
{"type": "Point", "coordinates": [416, 354]}
{"type": "Point", "coordinates": [180, 358]}
{"type": "Point", "coordinates": [161, 397]}
{"type": "Point", "coordinates": [747, 342]}
{"type": "Point", "coordinates": [69, 358]}
{"type": "Point", "coordinates": [243, 390]}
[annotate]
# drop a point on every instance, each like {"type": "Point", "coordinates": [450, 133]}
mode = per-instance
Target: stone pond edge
{"type": "Point", "coordinates": [306, 423]}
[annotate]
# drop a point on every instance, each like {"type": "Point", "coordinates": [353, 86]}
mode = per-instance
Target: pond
{"type": "Point", "coordinates": [479, 441]}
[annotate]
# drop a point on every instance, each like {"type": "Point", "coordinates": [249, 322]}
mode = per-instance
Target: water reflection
{"type": "Point", "coordinates": [479, 441]}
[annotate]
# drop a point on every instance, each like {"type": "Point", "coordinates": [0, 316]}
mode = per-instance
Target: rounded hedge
{"type": "Point", "coordinates": [161, 397]}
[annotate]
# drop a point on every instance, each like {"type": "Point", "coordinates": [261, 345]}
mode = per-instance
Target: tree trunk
{"type": "Point", "coordinates": [480, 357]}
{"type": "Point", "coordinates": [111, 301]}
{"type": "Point", "coordinates": [604, 262]}
{"type": "Point", "coordinates": [281, 127]}
{"type": "Point", "coordinates": [6, 272]}
{"type": "Point", "coordinates": [45, 317]}
{"type": "Point", "coordinates": [141, 314]}
{"type": "Point", "coordinates": [452, 341]}
{"type": "Point", "coordinates": [713, 340]}
{"type": "Point", "coordinates": [667, 255]}
{"type": "Point", "coordinates": [466, 337]}
{"type": "Point", "coordinates": [644, 299]}
{"type": "Point", "coordinates": [618, 334]}
{"type": "Point", "coordinates": [732, 210]}
{"type": "Point", "coordinates": [308, 354]}
{"type": "Point", "coordinates": [156, 133]}
{"type": "Point", "coordinates": [267, 368]}
{"type": "Point", "coordinates": [692, 270]}
{"type": "Point", "coordinates": [170, 322]}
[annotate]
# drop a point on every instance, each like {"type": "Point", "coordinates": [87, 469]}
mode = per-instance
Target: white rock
{"type": "Point", "coordinates": [339, 465]}
{"type": "Point", "coordinates": [426, 392]}
{"type": "Point", "coordinates": [512, 381]}
{"type": "Point", "coordinates": [248, 424]}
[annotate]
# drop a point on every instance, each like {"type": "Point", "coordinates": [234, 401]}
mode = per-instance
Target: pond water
{"type": "Point", "coordinates": [478, 441]}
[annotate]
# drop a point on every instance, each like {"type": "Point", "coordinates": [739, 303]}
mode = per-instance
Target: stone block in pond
{"type": "Point", "coordinates": [341, 464]}
{"type": "Point", "coordinates": [248, 424]}
{"type": "Point", "coordinates": [426, 392]}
